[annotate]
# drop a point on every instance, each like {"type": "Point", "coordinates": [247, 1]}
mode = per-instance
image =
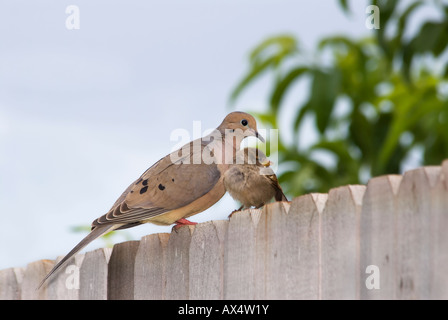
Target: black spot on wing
{"type": "Point", "coordinates": [161, 187]}
{"type": "Point", "coordinates": [143, 190]}
{"type": "Point", "coordinates": [145, 182]}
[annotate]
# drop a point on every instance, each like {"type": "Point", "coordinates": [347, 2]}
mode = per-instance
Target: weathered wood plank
{"type": "Point", "coordinates": [65, 285]}
{"type": "Point", "coordinates": [34, 273]}
{"type": "Point", "coordinates": [93, 275]}
{"type": "Point", "coordinates": [340, 243]}
{"type": "Point", "coordinates": [240, 255]}
{"type": "Point", "coordinates": [378, 238]}
{"type": "Point", "coordinates": [306, 214]}
{"type": "Point", "coordinates": [150, 267]}
{"type": "Point", "coordinates": [177, 264]}
{"type": "Point", "coordinates": [121, 271]}
{"type": "Point", "coordinates": [415, 233]}
{"type": "Point", "coordinates": [282, 235]}
{"type": "Point", "coordinates": [206, 261]}
{"type": "Point", "coordinates": [10, 283]}
{"type": "Point", "coordinates": [439, 200]}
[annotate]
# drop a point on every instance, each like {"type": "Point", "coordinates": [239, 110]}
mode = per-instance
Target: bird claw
{"type": "Point", "coordinates": [239, 209]}
{"type": "Point", "coordinates": [182, 222]}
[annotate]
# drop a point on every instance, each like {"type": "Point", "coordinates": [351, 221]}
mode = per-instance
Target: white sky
{"type": "Point", "coordinates": [84, 112]}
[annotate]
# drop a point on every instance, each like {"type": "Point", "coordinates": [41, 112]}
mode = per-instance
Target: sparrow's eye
{"type": "Point", "coordinates": [244, 122]}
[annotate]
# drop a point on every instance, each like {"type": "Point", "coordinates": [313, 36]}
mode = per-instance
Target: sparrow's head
{"type": "Point", "coordinates": [252, 156]}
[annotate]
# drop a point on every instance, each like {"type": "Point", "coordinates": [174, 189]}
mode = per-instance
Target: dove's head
{"type": "Point", "coordinates": [240, 124]}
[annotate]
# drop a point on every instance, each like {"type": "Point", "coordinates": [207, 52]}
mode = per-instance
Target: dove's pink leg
{"type": "Point", "coordinates": [183, 222]}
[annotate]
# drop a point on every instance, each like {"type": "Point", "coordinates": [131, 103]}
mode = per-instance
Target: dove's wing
{"type": "Point", "coordinates": [164, 187]}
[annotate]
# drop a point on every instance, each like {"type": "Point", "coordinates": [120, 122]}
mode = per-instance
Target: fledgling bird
{"type": "Point", "coordinates": [251, 181]}
{"type": "Point", "coordinates": [183, 183]}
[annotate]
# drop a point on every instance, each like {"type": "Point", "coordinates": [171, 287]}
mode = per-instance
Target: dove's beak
{"type": "Point", "coordinates": [259, 136]}
{"type": "Point", "coordinates": [254, 133]}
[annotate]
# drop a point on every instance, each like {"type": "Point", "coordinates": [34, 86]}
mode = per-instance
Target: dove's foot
{"type": "Point", "coordinates": [183, 222]}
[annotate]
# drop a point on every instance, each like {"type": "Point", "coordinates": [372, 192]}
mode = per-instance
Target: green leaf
{"type": "Point", "coordinates": [387, 9]}
{"type": "Point", "coordinates": [324, 91]}
{"type": "Point", "coordinates": [428, 38]}
{"type": "Point", "coordinates": [266, 117]}
{"type": "Point", "coordinates": [399, 43]}
{"type": "Point", "coordinates": [250, 77]}
{"type": "Point", "coordinates": [283, 85]}
{"type": "Point", "coordinates": [431, 38]}
{"type": "Point", "coordinates": [411, 106]}
{"type": "Point", "coordinates": [300, 115]}
{"type": "Point", "coordinates": [338, 147]}
{"type": "Point", "coordinates": [404, 18]}
{"type": "Point", "coordinates": [269, 54]}
{"type": "Point", "coordinates": [361, 133]}
{"type": "Point", "coordinates": [283, 44]}
{"type": "Point", "coordinates": [335, 42]}
{"type": "Point", "coordinates": [344, 6]}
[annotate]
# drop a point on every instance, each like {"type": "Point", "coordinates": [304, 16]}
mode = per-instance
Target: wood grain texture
{"type": "Point", "coordinates": [415, 233]}
{"type": "Point", "coordinates": [240, 255]}
{"type": "Point", "coordinates": [94, 274]}
{"type": "Point", "coordinates": [11, 283]}
{"type": "Point", "coordinates": [439, 201]}
{"type": "Point", "coordinates": [378, 237]}
{"type": "Point", "coordinates": [65, 285]}
{"type": "Point", "coordinates": [340, 243]}
{"type": "Point", "coordinates": [305, 214]}
{"type": "Point", "coordinates": [206, 261]}
{"type": "Point", "coordinates": [177, 262]}
{"type": "Point", "coordinates": [33, 275]}
{"type": "Point", "coordinates": [150, 267]}
{"type": "Point", "coordinates": [283, 234]}
{"type": "Point", "coordinates": [120, 275]}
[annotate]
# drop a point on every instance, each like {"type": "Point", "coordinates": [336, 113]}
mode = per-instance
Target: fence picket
{"type": "Point", "coordinates": [120, 276]}
{"type": "Point", "coordinates": [340, 243]}
{"type": "Point", "coordinates": [150, 264]}
{"type": "Point", "coordinates": [177, 258]}
{"type": "Point", "coordinates": [93, 275]}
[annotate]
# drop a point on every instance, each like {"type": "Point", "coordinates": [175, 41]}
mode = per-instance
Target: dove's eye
{"type": "Point", "coordinates": [244, 122]}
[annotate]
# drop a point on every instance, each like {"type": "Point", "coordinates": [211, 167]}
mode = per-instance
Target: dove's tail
{"type": "Point", "coordinates": [95, 233]}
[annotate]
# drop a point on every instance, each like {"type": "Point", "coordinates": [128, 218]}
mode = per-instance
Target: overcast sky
{"type": "Point", "coordinates": [84, 112]}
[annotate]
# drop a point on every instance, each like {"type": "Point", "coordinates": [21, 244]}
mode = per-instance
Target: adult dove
{"type": "Point", "coordinates": [181, 184]}
{"type": "Point", "coordinates": [251, 181]}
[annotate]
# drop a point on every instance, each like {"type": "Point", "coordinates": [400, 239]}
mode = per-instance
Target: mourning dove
{"type": "Point", "coordinates": [183, 183]}
{"type": "Point", "coordinates": [251, 181]}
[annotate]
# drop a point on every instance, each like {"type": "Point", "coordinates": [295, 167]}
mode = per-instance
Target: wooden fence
{"type": "Point", "coordinates": [386, 240]}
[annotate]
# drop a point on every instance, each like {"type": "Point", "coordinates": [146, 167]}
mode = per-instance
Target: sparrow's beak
{"type": "Point", "coordinates": [267, 163]}
{"type": "Point", "coordinates": [254, 133]}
